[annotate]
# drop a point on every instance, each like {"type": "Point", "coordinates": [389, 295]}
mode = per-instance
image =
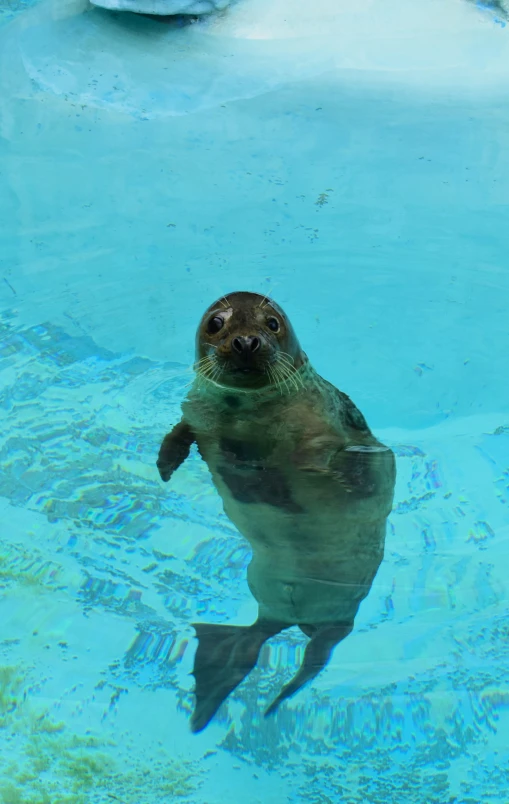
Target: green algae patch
{"type": "Point", "coordinates": [44, 762]}
{"type": "Point", "coordinates": [27, 569]}
{"type": "Point", "coordinates": [63, 771]}
{"type": "Point", "coordinates": [11, 682]}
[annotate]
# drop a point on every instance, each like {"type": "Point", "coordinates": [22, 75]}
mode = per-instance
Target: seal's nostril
{"type": "Point", "coordinates": [246, 344]}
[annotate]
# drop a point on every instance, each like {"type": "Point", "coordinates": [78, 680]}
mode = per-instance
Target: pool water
{"type": "Point", "coordinates": [354, 162]}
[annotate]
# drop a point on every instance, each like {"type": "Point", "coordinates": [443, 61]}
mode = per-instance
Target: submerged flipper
{"type": "Point", "coordinates": [224, 657]}
{"type": "Point", "coordinates": [317, 654]}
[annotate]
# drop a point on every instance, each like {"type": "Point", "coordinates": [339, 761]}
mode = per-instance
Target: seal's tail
{"type": "Point", "coordinates": [323, 640]}
{"type": "Point", "coordinates": [224, 657]}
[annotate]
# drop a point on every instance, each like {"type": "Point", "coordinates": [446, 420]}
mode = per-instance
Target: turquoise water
{"type": "Point", "coordinates": [356, 164]}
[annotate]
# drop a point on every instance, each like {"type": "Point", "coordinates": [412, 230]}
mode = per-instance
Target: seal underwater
{"type": "Point", "coordinates": [302, 478]}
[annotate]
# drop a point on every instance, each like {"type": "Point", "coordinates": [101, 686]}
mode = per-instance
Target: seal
{"type": "Point", "coordinates": [302, 478]}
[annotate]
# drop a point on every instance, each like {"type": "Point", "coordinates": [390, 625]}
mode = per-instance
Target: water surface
{"type": "Point", "coordinates": [146, 170]}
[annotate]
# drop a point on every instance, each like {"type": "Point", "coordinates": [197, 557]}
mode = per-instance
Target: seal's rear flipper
{"type": "Point", "coordinates": [317, 654]}
{"type": "Point", "coordinates": [224, 657]}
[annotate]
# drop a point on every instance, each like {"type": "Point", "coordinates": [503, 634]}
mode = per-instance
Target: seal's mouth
{"type": "Point", "coordinates": [247, 370]}
{"type": "Point", "coordinates": [250, 371]}
{"type": "Point", "coordinates": [241, 373]}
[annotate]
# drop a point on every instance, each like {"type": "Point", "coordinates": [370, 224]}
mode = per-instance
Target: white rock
{"type": "Point", "coordinates": [164, 7]}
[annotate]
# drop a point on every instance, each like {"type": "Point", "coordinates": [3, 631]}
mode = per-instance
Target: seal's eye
{"type": "Point", "coordinates": [215, 324]}
{"type": "Point", "coordinates": [273, 324]}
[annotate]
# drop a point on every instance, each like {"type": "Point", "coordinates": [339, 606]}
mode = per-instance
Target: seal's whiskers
{"type": "Point", "coordinates": [284, 362]}
{"type": "Point", "coordinates": [285, 354]}
{"type": "Point", "coordinates": [203, 360]}
{"type": "Point", "coordinates": [281, 376]}
{"type": "Point", "coordinates": [216, 374]}
{"type": "Point", "coordinates": [273, 379]}
{"type": "Point", "coordinates": [206, 367]}
{"type": "Point", "coordinates": [287, 370]}
{"type": "Point", "coordinates": [265, 301]}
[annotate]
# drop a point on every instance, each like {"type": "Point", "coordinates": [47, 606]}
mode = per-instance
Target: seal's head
{"type": "Point", "coordinates": [245, 341]}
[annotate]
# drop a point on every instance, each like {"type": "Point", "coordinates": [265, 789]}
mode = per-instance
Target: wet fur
{"type": "Point", "coordinates": [306, 483]}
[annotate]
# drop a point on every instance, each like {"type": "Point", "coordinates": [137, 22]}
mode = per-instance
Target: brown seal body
{"type": "Point", "coordinates": [302, 478]}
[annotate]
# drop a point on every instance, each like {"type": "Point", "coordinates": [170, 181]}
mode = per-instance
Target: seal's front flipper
{"type": "Point", "coordinates": [174, 449]}
{"type": "Point", "coordinates": [317, 654]}
{"type": "Point", "coordinates": [224, 657]}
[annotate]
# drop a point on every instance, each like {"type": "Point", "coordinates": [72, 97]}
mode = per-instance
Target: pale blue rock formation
{"type": "Point", "coordinates": [200, 7]}
{"type": "Point", "coordinates": [164, 7]}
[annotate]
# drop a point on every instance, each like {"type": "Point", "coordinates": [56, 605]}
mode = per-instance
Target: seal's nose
{"type": "Point", "coordinates": [245, 344]}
